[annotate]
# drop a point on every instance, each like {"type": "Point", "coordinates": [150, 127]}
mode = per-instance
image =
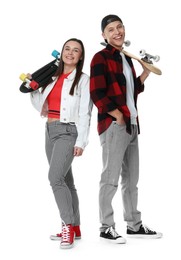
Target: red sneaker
{"type": "Point", "coordinates": [67, 240]}
{"type": "Point", "coordinates": [76, 230]}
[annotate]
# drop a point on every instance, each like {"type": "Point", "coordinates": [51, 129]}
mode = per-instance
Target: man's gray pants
{"type": "Point", "coordinates": [60, 141]}
{"type": "Point", "coordinates": [120, 157]}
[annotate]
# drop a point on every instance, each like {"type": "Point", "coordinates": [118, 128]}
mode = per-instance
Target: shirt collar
{"type": "Point", "coordinates": [71, 76]}
{"type": "Point", "coordinates": [112, 49]}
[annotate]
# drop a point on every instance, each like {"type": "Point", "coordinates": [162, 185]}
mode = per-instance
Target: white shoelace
{"type": "Point", "coordinates": [65, 234]}
{"type": "Point", "coordinates": [147, 229]}
{"type": "Point", "coordinates": [112, 231]}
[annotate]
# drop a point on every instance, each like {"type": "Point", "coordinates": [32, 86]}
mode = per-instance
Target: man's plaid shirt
{"type": "Point", "coordinates": [108, 86]}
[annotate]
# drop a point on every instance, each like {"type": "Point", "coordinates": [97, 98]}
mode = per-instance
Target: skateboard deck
{"type": "Point", "coordinates": [40, 77]}
{"type": "Point", "coordinates": [145, 61]}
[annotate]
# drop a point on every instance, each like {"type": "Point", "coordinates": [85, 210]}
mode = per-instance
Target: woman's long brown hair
{"type": "Point", "coordinates": [79, 66]}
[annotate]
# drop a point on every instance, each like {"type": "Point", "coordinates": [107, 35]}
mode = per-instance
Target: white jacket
{"type": "Point", "coordinates": [76, 108]}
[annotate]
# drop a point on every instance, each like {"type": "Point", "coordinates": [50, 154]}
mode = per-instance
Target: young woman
{"type": "Point", "coordinates": [67, 105]}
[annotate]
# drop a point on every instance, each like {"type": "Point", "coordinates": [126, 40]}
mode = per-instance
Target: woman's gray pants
{"type": "Point", "coordinates": [60, 141]}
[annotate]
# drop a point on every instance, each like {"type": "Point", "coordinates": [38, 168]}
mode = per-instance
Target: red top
{"type": "Point", "coordinates": [54, 98]}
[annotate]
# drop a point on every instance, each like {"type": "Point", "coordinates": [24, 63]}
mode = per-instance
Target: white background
{"type": "Point", "coordinates": [30, 31]}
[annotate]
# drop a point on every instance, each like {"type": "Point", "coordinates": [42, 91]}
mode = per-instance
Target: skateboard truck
{"type": "Point", "coordinates": [127, 43]}
{"type": "Point", "coordinates": [148, 57]}
{"type": "Point", "coordinates": [30, 83]}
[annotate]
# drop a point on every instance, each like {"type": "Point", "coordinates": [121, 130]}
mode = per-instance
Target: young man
{"type": "Point", "coordinates": [114, 88]}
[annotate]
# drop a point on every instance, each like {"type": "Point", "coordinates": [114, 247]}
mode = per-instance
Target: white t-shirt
{"type": "Point", "coordinates": [129, 90]}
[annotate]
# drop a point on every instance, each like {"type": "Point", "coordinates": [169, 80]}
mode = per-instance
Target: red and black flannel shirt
{"type": "Point", "coordinates": [108, 86]}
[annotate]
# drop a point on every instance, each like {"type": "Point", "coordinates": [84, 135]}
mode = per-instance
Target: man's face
{"type": "Point", "coordinates": [114, 33]}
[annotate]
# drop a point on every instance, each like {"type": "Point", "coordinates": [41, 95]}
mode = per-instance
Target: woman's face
{"type": "Point", "coordinates": [72, 53]}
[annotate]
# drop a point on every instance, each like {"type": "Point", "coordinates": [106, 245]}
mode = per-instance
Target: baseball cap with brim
{"type": "Point", "coordinates": [109, 19]}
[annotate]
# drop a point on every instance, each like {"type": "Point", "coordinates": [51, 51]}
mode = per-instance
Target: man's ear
{"type": "Point", "coordinates": [103, 35]}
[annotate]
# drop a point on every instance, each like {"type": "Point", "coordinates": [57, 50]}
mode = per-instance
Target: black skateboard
{"type": "Point", "coordinates": [40, 77]}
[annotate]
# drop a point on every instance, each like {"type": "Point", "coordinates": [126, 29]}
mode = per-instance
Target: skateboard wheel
{"type": "Point", "coordinates": [142, 52]}
{"type": "Point", "coordinates": [127, 43]}
{"type": "Point", "coordinates": [34, 85]}
{"type": "Point", "coordinates": [55, 54]}
{"type": "Point", "coordinates": [23, 77]}
{"type": "Point", "coordinates": [156, 58]}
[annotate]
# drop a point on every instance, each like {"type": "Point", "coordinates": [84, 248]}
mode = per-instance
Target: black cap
{"type": "Point", "coordinates": [109, 19]}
